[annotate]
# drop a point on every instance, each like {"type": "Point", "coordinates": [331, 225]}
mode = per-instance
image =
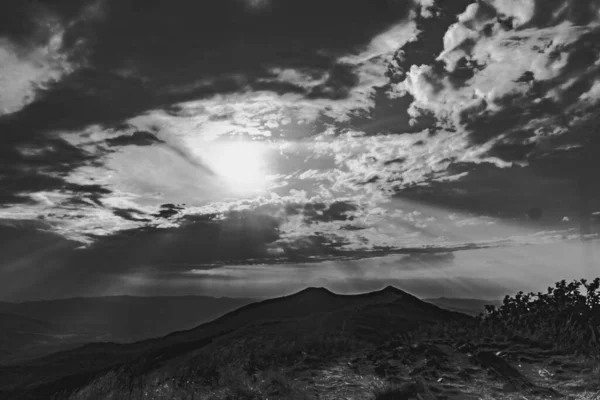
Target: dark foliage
{"type": "Point", "coordinates": [563, 316]}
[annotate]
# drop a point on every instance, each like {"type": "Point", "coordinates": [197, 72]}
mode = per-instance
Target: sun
{"type": "Point", "coordinates": [240, 165]}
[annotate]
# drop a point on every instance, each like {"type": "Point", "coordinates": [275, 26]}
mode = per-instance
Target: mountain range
{"type": "Point", "coordinates": [37, 328]}
{"type": "Point", "coordinates": [314, 344]}
{"type": "Point", "coordinates": [310, 316]}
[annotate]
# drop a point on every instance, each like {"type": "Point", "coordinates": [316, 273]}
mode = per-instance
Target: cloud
{"type": "Point", "coordinates": [427, 7]}
{"type": "Point", "coordinates": [35, 49]}
{"type": "Point", "coordinates": [119, 113]}
{"type": "Point", "coordinates": [25, 72]}
{"type": "Point", "coordinates": [183, 135]}
{"type": "Point", "coordinates": [533, 195]}
{"type": "Point", "coordinates": [516, 84]}
{"type": "Point", "coordinates": [244, 241]}
{"type": "Point", "coordinates": [538, 13]}
{"type": "Point", "coordinates": [134, 144]}
{"type": "Point", "coordinates": [394, 162]}
{"type": "Point", "coordinates": [258, 4]}
{"type": "Point", "coordinates": [321, 212]}
{"type": "Point", "coordinates": [138, 138]}
{"type": "Point", "coordinates": [492, 64]}
{"type": "Point", "coordinates": [60, 265]}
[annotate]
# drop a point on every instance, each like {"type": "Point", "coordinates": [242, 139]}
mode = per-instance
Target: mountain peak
{"type": "Point", "coordinates": [392, 289]}
{"type": "Point", "coordinates": [315, 290]}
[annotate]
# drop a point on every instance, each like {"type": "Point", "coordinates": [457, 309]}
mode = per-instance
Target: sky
{"type": "Point", "coordinates": [256, 147]}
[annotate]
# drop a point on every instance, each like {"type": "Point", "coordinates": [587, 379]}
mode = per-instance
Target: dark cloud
{"type": "Point", "coordinates": [39, 164]}
{"type": "Point", "coordinates": [318, 246]}
{"type": "Point", "coordinates": [59, 266]}
{"type": "Point", "coordinates": [535, 213]}
{"type": "Point", "coordinates": [29, 255]}
{"type": "Point", "coordinates": [322, 246]}
{"type": "Point", "coordinates": [234, 237]}
{"type": "Point", "coordinates": [141, 58]}
{"type": "Point", "coordinates": [427, 260]}
{"type": "Point", "coordinates": [168, 211]}
{"type": "Point", "coordinates": [546, 191]}
{"type": "Point", "coordinates": [459, 287]}
{"type": "Point", "coordinates": [150, 55]}
{"type": "Point", "coordinates": [338, 84]}
{"type": "Point", "coordinates": [138, 58]}
{"type": "Point", "coordinates": [289, 34]}
{"type": "Point", "coordinates": [23, 21]}
{"type": "Point", "coordinates": [321, 212]}
{"type": "Point", "coordinates": [30, 240]}
{"type": "Point", "coordinates": [130, 214]}
{"type": "Point", "coordinates": [138, 138]}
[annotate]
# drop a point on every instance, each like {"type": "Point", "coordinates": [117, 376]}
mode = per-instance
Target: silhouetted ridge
{"type": "Point", "coordinates": [314, 290]}
{"type": "Point", "coordinates": [401, 294]}
{"type": "Point", "coordinates": [392, 289]}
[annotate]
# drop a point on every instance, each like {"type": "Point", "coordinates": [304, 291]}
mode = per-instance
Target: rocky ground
{"type": "Point", "coordinates": [441, 370]}
{"type": "Point", "coordinates": [438, 369]}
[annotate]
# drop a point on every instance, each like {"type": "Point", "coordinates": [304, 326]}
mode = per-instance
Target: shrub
{"type": "Point", "coordinates": [563, 316]}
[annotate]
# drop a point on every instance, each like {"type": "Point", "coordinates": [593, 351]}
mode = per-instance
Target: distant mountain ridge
{"type": "Point", "coordinates": [471, 307]}
{"type": "Point", "coordinates": [75, 321]}
{"type": "Point", "coordinates": [66, 323]}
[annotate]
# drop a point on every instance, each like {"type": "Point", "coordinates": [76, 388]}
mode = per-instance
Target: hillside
{"type": "Point", "coordinates": [471, 307]}
{"type": "Point", "coordinates": [315, 344]}
{"type": "Point", "coordinates": [309, 316]}
{"type": "Point", "coordinates": [19, 332]}
{"type": "Point", "coordinates": [53, 325]}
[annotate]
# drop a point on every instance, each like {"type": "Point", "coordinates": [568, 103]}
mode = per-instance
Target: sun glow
{"type": "Point", "coordinates": [240, 165]}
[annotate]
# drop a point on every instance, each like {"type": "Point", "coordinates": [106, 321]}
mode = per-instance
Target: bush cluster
{"type": "Point", "coordinates": [564, 316]}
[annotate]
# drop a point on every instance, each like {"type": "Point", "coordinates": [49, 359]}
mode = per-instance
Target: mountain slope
{"type": "Point", "coordinates": [117, 319]}
{"type": "Point", "coordinates": [128, 318]}
{"type": "Point", "coordinates": [22, 337]}
{"type": "Point", "coordinates": [466, 306]}
{"type": "Point", "coordinates": [315, 345]}
{"type": "Point", "coordinates": [308, 317]}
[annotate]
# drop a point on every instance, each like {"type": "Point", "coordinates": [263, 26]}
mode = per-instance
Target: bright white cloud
{"type": "Point", "coordinates": [502, 57]}
{"type": "Point", "coordinates": [28, 69]}
{"type": "Point", "coordinates": [522, 11]}
{"type": "Point", "coordinates": [399, 160]}
{"type": "Point", "coordinates": [25, 71]}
